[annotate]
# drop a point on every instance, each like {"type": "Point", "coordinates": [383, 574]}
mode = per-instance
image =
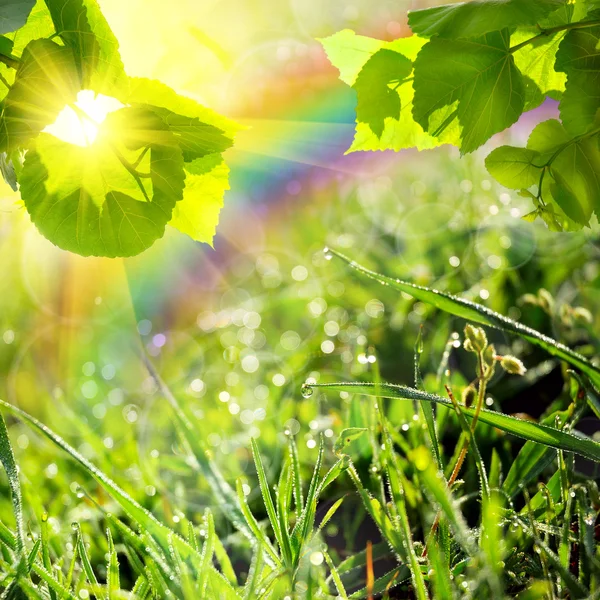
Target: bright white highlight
{"type": "Point", "coordinates": [74, 127]}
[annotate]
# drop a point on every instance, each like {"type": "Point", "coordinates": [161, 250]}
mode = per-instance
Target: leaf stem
{"type": "Point", "coordinates": [556, 154]}
{"type": "Point", "coordinates": [10, 61]}
{"type": "Point", "coordinates": [126, 164]}
{"type": "Point", "coordinates": [551, 30]}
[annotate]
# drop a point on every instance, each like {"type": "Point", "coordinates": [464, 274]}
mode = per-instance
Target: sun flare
{"type": "Point", "coordinates": [79, 124]}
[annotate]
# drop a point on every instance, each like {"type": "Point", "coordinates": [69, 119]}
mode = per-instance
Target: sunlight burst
{"type": "Point", "coordinates": [78, 124]}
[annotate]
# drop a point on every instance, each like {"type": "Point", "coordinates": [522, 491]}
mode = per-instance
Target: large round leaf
{"type": "Point", "coordinates": [112, 198]}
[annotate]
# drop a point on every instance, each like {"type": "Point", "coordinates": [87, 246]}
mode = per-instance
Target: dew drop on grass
{"type": "Point", "coordinates": [327, 253]}
{"type": "Point", "coordinates": [307, 387]}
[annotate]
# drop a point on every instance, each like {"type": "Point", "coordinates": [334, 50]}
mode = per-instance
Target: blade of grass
{"type": "Point", "coordinates": [576, 589]}
{"type": "Point", "coordinates": [332, 510]}
{"type": "Point", "coordinates": [533, 458]}
{"type": "Point", "coordinates": [222, 491]}
{"type": "Point", "coordinates": [296, 475]}
{"type": "Point", "coordinates": [480, 314]}
{"type": "Point", "coordinates": [269, 505]}
{"type": "Point", "coordinates": [439, 492]}
{"type": "Point", "coordinates": [69, 577]}
{"type": "Point", "coordinates": [335, 576]}
{"type": "Point", "coordinates": [283, 497]}
{"type": "Point", "coordinates": [7, 537]}
{"type": "Point", "coordinates": [207, 553]}
{"type": "Point", "coordinates": [52, 583]}
{"type": "Point", "coordinates": [254, 575]}
{"type": "Point", "coordinates": [113, 580]}
{"type": "Point", "coordinates": [358, 560]}
{"type": "Point", "coordinates": [440, 575]}
{"type": "Point", "coordinates": [398, 485]}
{"type": "Point", "coordinates": [426, 407]}
{"type": "Point", "coordinates": [46, 550]}
{"type": "Point", "coordinates": [379, 516]}
{"type": "Point", "coordinates": [7, 458]}
{"type": "Point", "coordinates": [139, 514]}
{"type": "Point", "coordinates": [306, 520]}
{"type": "Point", "coordinates": [225, 562]}
{"type": "Point", "coordinates": [527, 430]}
{"type": "Point", "coordinates": [257, 532]}
{"type": "Point", "coordinates": [384, 583]}
{"type": "Point", "coordinates": [85, 559]}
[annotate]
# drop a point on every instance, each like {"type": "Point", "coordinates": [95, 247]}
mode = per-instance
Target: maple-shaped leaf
{"type": "Point", "coordinates": [478, 17]}
{"type": "Point", "coordinates": [579, 57]}
{"type": "Point", "coordinates": [82, 27]}
{"type": "Point", "coordinates": [112, 198]}
{"type": "Point", "coordinates": [565, 169]}
{"type": "Point", "coordinates": [46, 80]}
{"type": "Point", "coordinates": [376, 99]}
{"type": "Point", "coordinates": [197, 214]}
{"type": "Point", "coordinates": [477, 78]}
{"type": "Point", "coordinates": [350, 53]}
{"type": "Point", "coordinates": [14, 13]}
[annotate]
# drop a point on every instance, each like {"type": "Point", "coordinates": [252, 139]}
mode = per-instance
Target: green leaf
{"type": "Point", "coordinates": [349, 53]}
{"type": "Point", "coordinates": [479, 76]}
{"type": "Point", "coordinates": [96, 200]}
{"type": "Point", "coordinates": [197, 214]}
{"type": "Point", "coordinates": [158, 95]}
{"type": "Point", "coordinates": [573, 169]}
{"type": "Point", "coordinates": [7, 169]}
{"type": "Point", "coordinates": [541, 434]}
{"type": "Point", "coordinates": [38, 25]}
{"type": "Point", "coordinates": [377, 98]}
{"type": "Point", "coordinates": [195, 138]}
{"type": "Point", "coordinates": [45, 82]}
{"type": "Point", "coordinates": [14, 13]}
{"type": "Point", "coordinates": [482, 315]}
{"type": "Point", "coordinates": [6, 45]}
{"type": "Point", "coordinates": [579, 58]}
{"type": "Point", "coordinates": [536, 61]}
{"type": "Point", "coordinates": [513, 167]}
{"type": "Point", "coordinates": [346, 437]}
{"type": "Point", "coordinates": [476, 18]}
{"type": "Point", "coordinates": [83, 28]}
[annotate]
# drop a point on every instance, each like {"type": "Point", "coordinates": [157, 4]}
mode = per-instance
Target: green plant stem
{"type": "Point", "coordinates": [551, 30]}
{"type": "Point", "coordinates": [137, 176]}
{"type": "Point", "coordinates": [465, 447]}
{"type": "Point", "coordinates": [10, 61]}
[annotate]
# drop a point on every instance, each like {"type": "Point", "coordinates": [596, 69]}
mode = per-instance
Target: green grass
{"type": "Point", "coordinates": [375, 480]}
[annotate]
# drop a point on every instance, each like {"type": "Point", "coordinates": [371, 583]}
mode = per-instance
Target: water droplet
{"type": "Point", "coordinates": [306, 390]}
{"type": "Point", "coordinates": [75, 525]}
{"type": "Point", "coordinates": [327, 253]}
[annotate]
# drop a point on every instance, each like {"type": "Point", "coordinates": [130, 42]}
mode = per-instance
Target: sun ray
{"type": "Point", "coordinates": [79, 125]}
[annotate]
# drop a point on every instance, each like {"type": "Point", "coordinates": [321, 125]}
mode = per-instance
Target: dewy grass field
{"type": "Point", "coordinates": [381, 381]}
